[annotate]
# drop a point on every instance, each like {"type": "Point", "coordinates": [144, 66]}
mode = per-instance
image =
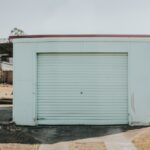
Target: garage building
{"type": "Point", "coordinates": [81, 79]}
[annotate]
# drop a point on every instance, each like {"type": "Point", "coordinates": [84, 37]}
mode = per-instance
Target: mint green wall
{"type": "Point", "coordinates": [25, 50]}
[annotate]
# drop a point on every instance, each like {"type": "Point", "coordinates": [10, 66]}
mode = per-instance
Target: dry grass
{"type": "Point", "coordinates": [142, 140]}
{"type": "Point", "coordinates": [18, 147]}
{"type": "Point", "coordinates": [6, 91]}
{"type": "Point", "coordinates": [87, 146]}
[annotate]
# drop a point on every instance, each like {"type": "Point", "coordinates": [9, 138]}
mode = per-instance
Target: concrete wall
{"type": "Point", "coordinates": [25, 52]}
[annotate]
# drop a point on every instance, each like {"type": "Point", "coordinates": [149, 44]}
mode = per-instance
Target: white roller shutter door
{"type": "Point", "coordinates": [82, 88]}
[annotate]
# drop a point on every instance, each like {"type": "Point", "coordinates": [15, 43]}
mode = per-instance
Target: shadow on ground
{"type": "Point", "coordinates": [10, 133]}
{"type": "Point", "coordinates": [55, 134]}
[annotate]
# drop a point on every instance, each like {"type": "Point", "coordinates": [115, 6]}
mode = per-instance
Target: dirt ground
{"type": "Point", "coordinates": [87, 146]}
{"type": "Point", "coordinates": [6, 91]}
{"type": "Point", "coordinates": [142, 140]}
{"type": "Point", "coordinates": [19, 147]}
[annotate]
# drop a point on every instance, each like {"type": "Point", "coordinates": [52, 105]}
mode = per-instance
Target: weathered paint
{"type": "Point", "coordinates": [25, 79]}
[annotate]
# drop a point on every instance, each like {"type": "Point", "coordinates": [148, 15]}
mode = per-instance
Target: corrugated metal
{"type": "Point", "coordinates": [82, 88]}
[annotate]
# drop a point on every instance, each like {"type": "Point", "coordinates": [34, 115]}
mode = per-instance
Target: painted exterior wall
{"type": "Point", "coordinates": [25, 79]}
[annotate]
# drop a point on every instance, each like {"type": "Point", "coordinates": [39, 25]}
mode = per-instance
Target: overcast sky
{"type": "Point", "coordinates": [75, 16]}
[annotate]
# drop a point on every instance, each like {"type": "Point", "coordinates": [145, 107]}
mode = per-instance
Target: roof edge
{"type": "Point", "coordinates": [82, 35]}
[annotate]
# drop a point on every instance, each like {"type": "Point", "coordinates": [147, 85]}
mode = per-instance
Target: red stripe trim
{"type": "Point", "coordinates": [81, 35]}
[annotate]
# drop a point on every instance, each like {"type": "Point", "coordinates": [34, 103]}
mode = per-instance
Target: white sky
{"type": "Point", "coordinates": [75, 16]}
